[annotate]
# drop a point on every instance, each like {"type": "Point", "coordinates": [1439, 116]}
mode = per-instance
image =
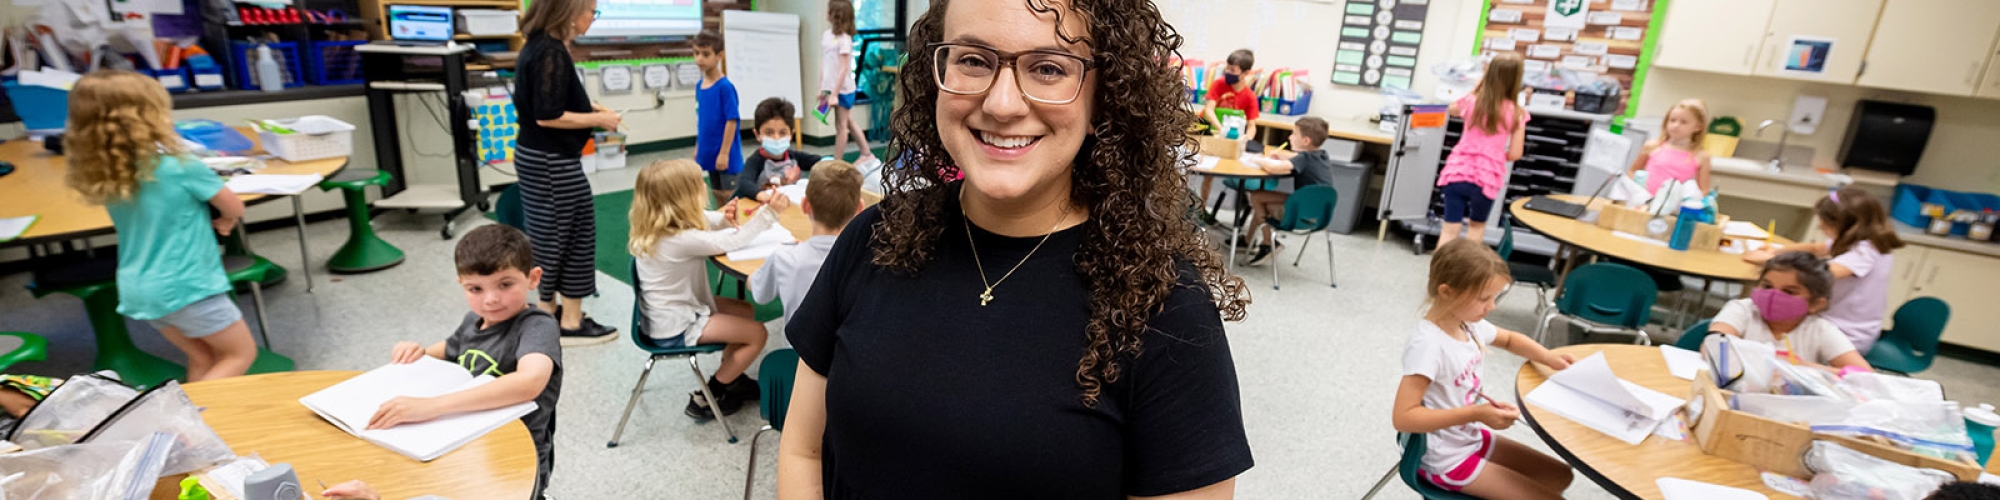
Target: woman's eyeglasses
{"type": "Point", "coordinates": [1044, 76]}
{"type": "Point", "coordinates": [597, 13]}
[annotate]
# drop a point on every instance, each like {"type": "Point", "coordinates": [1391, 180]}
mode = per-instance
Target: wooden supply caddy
{"type": "Point", "coordinates": [1617, 217]}
{"type": "Point", "coordinates": [1781, 446]}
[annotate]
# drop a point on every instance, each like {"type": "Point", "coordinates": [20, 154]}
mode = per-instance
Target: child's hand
{"type": "Point", "coordinates": [765, 195]}
{"type": "Point", "coordinates": [351, 490]}
{"type": "Point", "coordinates": [1561, 361]}
{"type": "Point", "coordinates": [406, 352]}
{"type": "Point", "coordinates": [403, 410]}
{"type": "Point", "coordinates": [1761, 254]}
{"type": "Point", "coordinates": [729, 212]}
{"type": "Point", "coordinates": [779, 203]}
{"type": "Point", "coordinates": [791, 175]}
{"type": "Point", "coordinates": [223, 225]}
{"type": "Point", "coordinates": [1496, 415]}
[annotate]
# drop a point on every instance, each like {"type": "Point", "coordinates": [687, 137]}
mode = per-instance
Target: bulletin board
{"type": "Point", "coordinates": [1612, 38]}
{"type": "Point", "coordinates": [1379, 42]}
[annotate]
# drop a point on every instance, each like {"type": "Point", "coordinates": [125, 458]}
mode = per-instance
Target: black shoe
{"type": "Point", "coordinates": [1263, 256]}
{"type": "Point", "coordinates": [698, 407]}
{"type": "Point", "coordinates": [589, 332]}
{"type": "Point", "coordinates": [745, 388]}
{"type": "Point", "coordinates": [1244, 242]}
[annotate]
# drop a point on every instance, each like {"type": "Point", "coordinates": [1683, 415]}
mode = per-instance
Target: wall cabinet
{"type": "Point", "coordinates": [1721, 36]}
{"type": "Point", "coordinates": [1847, 24]}
{"type": "Point", "coordinates": [1935, 46]}
{"type": "Point", "coordinates": [1963, 280]}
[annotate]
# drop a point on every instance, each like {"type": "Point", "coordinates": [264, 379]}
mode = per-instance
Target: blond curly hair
{"type": "Point", "coordinates": [120, 123]}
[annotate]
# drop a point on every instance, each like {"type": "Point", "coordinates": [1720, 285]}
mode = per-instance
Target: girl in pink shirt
{"type": "Point", "coordinates": [1495, 128]}
{"type": "Point", "coordinates": [1677, 155]}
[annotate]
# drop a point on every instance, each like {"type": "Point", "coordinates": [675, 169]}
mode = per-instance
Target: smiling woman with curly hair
{"type": "Point", "coordinates": [1050, 326]}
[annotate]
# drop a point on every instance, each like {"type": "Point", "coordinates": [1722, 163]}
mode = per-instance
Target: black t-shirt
{"type": "Point", "coordinates": [931, 395]}
{"type": "Point", "coordinates": [751, 179]}
{"type": "Point", "coordinates": [545, 86]}
{"type": "Point", "coordinates": [495, 350]}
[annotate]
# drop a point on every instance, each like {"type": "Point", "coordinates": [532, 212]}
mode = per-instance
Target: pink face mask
{"type": "Point", "coordinates": [1777, 306]}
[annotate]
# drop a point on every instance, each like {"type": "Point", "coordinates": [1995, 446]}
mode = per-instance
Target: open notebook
{"type": "Point", "coordinates": [349, 405]}
{"type": "Point", "coordinates": [1590, 394]}
{"type": "Point", "coordinates": [765, 244]}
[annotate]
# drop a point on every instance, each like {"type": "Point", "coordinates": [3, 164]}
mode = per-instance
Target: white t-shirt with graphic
{"type": "Point", "coordinates": [834, 50]}
{"type": "Point", "coordinates": [1454, 369]}
{"type": "Point", "coordinates": [1816, 340]}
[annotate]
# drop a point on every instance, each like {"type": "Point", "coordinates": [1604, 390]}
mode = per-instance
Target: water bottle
{"type": "Point", "coordinates": [269, 79]}
{"type": "Point", "coordinates": [1684, 225]}
{"type": "Point", "coordinates": [1979, 424]}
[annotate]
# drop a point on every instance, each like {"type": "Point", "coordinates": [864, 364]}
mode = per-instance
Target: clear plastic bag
{"type": "Point", "coordinates": [1739, 365]}
{"type": "Point", "coordinates": [1872, 386]}
{"type": "Point", "coordinates": [166, 408]}
{"type": "Point", "coordinates": [125, 470]}
{"type": "Point", "coordinates": [1800, 380]}
{"type": "Point", "coordinates": [1840, 473]}
{"type": "Point", "coordinates": [1788, 408]}
{"type": "Point", "coordinates": [1933, 429]}
{"type": "Point", "coordinates": [71, 411]}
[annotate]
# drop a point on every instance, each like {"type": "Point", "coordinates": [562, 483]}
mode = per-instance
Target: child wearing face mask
{"type": "Point", "coordinates": [775, 163]}
{"type": "Point", "coordinates": [1784, 310]}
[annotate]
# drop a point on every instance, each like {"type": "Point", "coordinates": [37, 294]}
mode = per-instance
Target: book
{"type": "Point", "coordinates": [350, 404]}
{"type": "Point", "coordinates": [1590, 394]}
{"type": "Point", "coordinates": [14, 227]}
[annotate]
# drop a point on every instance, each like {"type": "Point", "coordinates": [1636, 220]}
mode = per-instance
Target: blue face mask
{"type": "Point", "coordinates": [1231, 79]}
{"type": "Point", "coordinates": [776, 147]}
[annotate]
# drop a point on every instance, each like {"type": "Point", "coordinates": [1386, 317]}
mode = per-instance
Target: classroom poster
{"type": "Point", "coordinates": [1567, 14]}
{"type": "Point", "coordinates": [1597, 38]}
{"type": "Point", "coordinates": [1378, 43]}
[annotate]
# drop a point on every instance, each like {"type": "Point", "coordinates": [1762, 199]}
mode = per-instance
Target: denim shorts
{"type": "Point", "coordinates": [1465, 200]}
{"type": "Point", "coordinates": [202, 318]}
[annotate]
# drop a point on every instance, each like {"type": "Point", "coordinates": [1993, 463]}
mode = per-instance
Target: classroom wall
{"type": "Point", "coordinates": [1960, 154]}
{"type": "Point", "coordinates": [1297, 34]}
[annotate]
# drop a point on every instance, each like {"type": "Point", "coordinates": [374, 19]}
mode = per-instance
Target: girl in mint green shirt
{"type": "Point", "coordinates": [126, 156]}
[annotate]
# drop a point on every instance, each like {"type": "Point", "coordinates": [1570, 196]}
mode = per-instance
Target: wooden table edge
{"type": "Point", "coordinates": [1563, 452]}
{"type": "Point", "coordinates": [249, 200]}
{"type": "Point", "coordinates": [1521, 204]}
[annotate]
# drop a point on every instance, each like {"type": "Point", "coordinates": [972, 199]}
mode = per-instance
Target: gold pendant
{"type": "Point", "coordinates": [986, 296]}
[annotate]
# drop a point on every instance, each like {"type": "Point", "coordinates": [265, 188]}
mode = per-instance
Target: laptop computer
{"type": "Point", "coordinates": [1544, 204]}
{"type": "Point", "coordinates": [420, 25]}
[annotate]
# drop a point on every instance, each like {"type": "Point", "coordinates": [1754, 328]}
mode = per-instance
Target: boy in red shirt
{"type": "Point", "coordinates": [1232, 91]}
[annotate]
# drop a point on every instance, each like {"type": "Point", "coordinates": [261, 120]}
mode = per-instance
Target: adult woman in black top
{"type": "Point", "coordinates": [556, 120]}
{"type": "Point", "coordinates": [1051, 326]}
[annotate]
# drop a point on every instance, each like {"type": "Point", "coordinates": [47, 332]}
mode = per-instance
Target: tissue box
{"type": "Point", "coordinates": [1781, 446]}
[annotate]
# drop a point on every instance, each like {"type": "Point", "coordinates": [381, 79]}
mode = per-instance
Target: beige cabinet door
{"type": "Point", "coordinates": [1720, 36]}
{"type": "Point", "coordinates": [1903, 279]}
{"type": "Point", "coordinates": [1935, 46]}
{"type": "Point", "coordinates": [1965, 281]}
{"type": "Point", "coordinates": [1992, 86]}
{"type": "Point", "coordinates": [1818, 40]}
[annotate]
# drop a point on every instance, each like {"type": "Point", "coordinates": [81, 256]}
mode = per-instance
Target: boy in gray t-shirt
{"type": "Point", "coordinates": [518, 345]}
{"type": "Point", "coordinates": [1307, 166]}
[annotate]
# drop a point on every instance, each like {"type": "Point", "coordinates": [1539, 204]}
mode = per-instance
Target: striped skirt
{"type": "Point", "coordinates": [559, 214]}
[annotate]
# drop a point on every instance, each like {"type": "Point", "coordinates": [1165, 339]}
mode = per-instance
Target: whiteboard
{"type": "Point", "coordinates": [761, 52]}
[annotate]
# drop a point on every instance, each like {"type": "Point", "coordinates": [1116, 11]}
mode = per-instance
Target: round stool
{"type": "Point", "coordinates": [364, 251]}
{"type": "Point", "coordinates": [16, 347]}
{"type": "Point", "coordinates": [95, 281]}
{"type": "Point", "coordinates": [251, 270]}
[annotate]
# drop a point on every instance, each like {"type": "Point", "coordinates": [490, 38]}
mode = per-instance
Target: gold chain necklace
{"type": "Point", "coordinates": [987, 295]}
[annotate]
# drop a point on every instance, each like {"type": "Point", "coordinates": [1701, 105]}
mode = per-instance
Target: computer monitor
{"type": "Point", "coordinates": [420, 23]}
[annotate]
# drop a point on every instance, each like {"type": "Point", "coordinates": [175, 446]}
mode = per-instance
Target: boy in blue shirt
{"type": "Point", "coordinates": [716, 146]}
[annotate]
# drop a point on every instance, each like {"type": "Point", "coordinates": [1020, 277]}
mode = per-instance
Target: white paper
{"type": "Point", "coordinates": [1628, 4]}
{"type": "Point", "coordinates": [1500, 44]}
{"type": "Point", "coordinates": [12, 227]}
{"type": "Point", "coordinates": [1683, 363]}
{"type": "Point", "coordinates": [51, 78]}
{"type": "Point", "coordinates": [1989, 479]}
{"type": "Point", "coordinates": [350, 404]}
{"type": "Point", "coordinates": [273, 184]}
{"type": "Point", "coordinates": [1626, 33]}
{"type": "Point", "coordinates": [1206, 162]}
{"type": "Point", "coordinates": [1525, 34]}
{"type": "Point", "coordinates": [1618, 61]}
{"type": "Point", "coordinates": [1503, 16]}
{"type": "Point", "coordinates": [1579, 63]}
{"type": "Point", "coordinates": [1544, 51]}
{"type": "Point", "coordinates": [1591, 48]}
{"type": "Point", "coordinates": [1589, 393]}
{"type": "Point", "coordinates": [1673, 488]}
{"type": "Point", "coordinates": [763, 245]}
{"type": "Point", "coordinates": [657, 76]}
{"type": "Point", "coordinates": [1744, 229]}
{"type": "Point", "coordinates": [1606, 18]}
{"type": "Point", "coordinates": [797, 192]}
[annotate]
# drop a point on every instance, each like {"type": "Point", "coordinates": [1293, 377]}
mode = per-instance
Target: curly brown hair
{"type": "Point", "coordinates": [1127, 173]}
{"type": "Point", "coordinates": [120, 123]}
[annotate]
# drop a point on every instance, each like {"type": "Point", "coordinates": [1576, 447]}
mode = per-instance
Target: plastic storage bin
{"type": "Point", "coordinates": [314, 137]}
{"type": "Point", "coordinates": [175, 80]}
{"type": "Point", "coordinates": [1295, 107]}
{"type": "Point", "coordinates": [1910, 198]}
{"type": "Point", "coordinates": [334, 63]}
{"type": "Point", "coordinates": [487, 21]}
{"type": "Point", "coordinates": [246, 65]}
{"type": "Point", "coordinates": [40, 108]}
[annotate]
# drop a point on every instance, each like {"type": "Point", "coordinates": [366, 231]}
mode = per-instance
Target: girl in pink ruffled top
{"type": "Point", "coordinates": [1677, 155]}
{"type": "Point", "coordinates": [1476, 171]}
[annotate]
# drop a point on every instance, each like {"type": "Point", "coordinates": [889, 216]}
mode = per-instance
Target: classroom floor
{"type": "Point", "coordinates": [1317, 365]}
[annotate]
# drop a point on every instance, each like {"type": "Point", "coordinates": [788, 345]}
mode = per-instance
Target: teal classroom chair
{"type": "Point", "coordinates": [1307, 211]}
{"type": "Point", "coordinates": [1691, 337]}
{"type": "Point", "coordinates": [1605, 297]}
{"type": "Point", "coordinates": [1413, 456]}
{"type": "Point", "coordinates": [94, 281]}
{"type": "Point", "coordinates": [774, 378]}
{"type": "Point", "coordinates": [508, 209]}
{"type": "Point", "coordinates": [658, 349]}
{"type": "Point", "coordinates": [1911, 343]}
{"type": "Point", "coordinates": [16, 347]}
{"type": "Point", "coordinates": [1542, 277]}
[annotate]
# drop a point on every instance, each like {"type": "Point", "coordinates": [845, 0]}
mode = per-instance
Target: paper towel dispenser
{"type": "Point", "coordinates": [1887, 136]}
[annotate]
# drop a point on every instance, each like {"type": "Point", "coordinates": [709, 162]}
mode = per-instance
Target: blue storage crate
{"type": "Point", "coordinates": [40, 108]}
{"type": "Point", "coordinates": [246, 67]}
{"type": "Point", "coordinates": [1908, 205]}
{"type": "Point", "coordinates": [1295, 107]}
{"type": "Point", "coordinates": [334, 63]}
{"type": "Point", "coordinates": [175, 80]}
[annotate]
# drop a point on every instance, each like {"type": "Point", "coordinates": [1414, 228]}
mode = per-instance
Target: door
{"type": "Point", "coordinates": [1903, 279]}
{"type": "Point", "coordinates": [1720, 36]}
{"type": "Point", "coordinates": [1964, 281]}
{"type": "Point", "coordinates": [1818, 40]}
{"type": "Point", "coordinates": [1992, 86]}
{"type": "Point", "coordinates": [1935, 46]}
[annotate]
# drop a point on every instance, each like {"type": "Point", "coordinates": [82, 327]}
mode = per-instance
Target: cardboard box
{"type": "Point", "coordinates": [1617, 217]}
{"type": "Point", "coordinates": [1221, 147]}
{"type": "Point", "coordinates": [1781, 446]}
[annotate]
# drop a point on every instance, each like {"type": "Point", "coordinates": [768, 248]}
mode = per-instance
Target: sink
{"type": "Point", "coordinates": [1734, 163]}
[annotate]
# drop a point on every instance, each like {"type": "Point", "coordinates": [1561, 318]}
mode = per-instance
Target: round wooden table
{"type": "Point", "coordinates": [1232, 169]}
{"type": "Point", "coordinates": [1707, 264]}
{"type": "Point", "coordinates": [38, 187]}
{"type": "Point", "coordinates": [261, 414]}
{"type": "Point", "coordinates": [793, 219]}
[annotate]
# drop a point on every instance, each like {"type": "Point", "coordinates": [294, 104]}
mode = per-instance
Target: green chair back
{"type": "Point", "coordinates": [1310, 209]}
{"type": "Point", "coordinates": [1910, 344]}
{"type": "Point", "coordinates": [1506, 249]}
{"type": "Point", "coordinates": [644, 339]}
{"type": "Point", "coordinates": [508, 209]}
{"type": "Point", "coordinates": [1408, 468]}
{"type": "Point", "coordinates": [1691, 337]}
{"type": "Point", "coordinates": [774, 378]}
{"type": "Point", "coordinates": [33, 348]}
{"type": "Point", "coordinates": [1606, 293]}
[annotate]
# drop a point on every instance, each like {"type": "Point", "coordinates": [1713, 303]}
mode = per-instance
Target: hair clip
{"type": "Point", "coordinates": [1834, 194]}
